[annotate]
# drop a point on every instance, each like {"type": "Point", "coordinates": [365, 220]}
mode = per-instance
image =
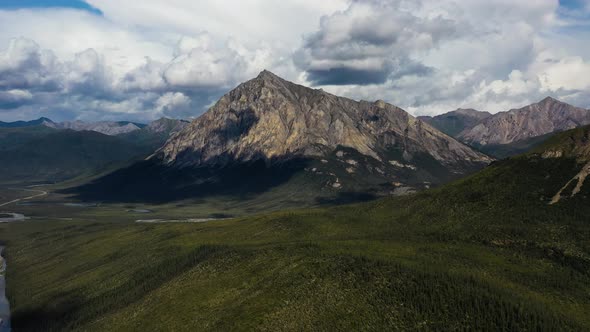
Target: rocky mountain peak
{"type": "Point", "coordinates": [271, 119]}
{"type": "Point", "coordinates": [549, 100]}
{"type": "Point", "coordinates": [268, 75]}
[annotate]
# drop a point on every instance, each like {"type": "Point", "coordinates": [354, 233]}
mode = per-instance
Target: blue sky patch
{"type": "Point", "coordinates": [572, 4]}
{"type": "Point", "coordinates": [77, 4]}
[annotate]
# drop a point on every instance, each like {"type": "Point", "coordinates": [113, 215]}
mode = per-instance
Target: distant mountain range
{"type": "Point", "coordinates": [513, 132]}
{"type": "Point", "coordinates": [104, 127]}
{"type": "Point", "coordinates": [19, 124]}
{"type": "Point", "coordinates": [455, 122]}
{"type": "Point", "coordinates": [270, 133]}
{"type": "Point", "coordinates": [42, 150]}
{"type": "Point", "coordinates": [547, 116]}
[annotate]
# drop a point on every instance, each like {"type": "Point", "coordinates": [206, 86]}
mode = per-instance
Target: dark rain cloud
{"type": "Point", "coordinates": [370, 43]}
{"type": "Point", "coordinates": [343, 76]}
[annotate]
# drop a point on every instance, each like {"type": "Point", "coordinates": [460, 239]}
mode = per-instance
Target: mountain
{"type": "Point", "coordinates": [32, 123]}
{"type": "Point", "coordinates": [547, 116]}
{"type": "Point", "coordinates": [274, 120]}
{"type": "Point", "coordinates": [455, 122]}
{"type": "Point", "coordinates": [111, 128]}
{"type": "Point", "coordinates": [269, 132]}
{"type": "Point", "coordinates": [156, 133]}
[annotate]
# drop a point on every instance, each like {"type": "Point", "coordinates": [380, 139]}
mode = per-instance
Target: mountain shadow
{"type": "Point", "coordinates": [152, 182]}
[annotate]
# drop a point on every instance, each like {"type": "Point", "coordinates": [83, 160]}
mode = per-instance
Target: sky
{"type": "Point", "coordinates": [141, 60]}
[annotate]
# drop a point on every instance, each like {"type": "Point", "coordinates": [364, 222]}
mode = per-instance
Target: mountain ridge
{"type": "Point", "coordinates": [21, 123]}
{"type": "Point", "coordinates": [547, 116]}
{"type": "Point", "coordinates": [111, 128]}
{"type": "Point", "coordinates": [454, 122]}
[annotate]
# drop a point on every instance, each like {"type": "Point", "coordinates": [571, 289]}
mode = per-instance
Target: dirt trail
{"type": "Point", "coordinates": [41, 193]}
{"type": "Point", "coordinates": [580, 177]}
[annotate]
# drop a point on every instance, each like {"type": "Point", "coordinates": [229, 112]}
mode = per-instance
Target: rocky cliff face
{"type": "Point", "coordinates": [538, 119]}
{"type": "Point", "coordinates": [275, 120]}
{"type": "Point", "coordinates": [453, 123]}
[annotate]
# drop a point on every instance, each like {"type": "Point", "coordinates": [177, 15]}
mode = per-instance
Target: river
{"type": "Point", "coordinates": [4, 305]}
{"type": "Point", "coordinates": [40, 193]}
{"type": "Point", "coordinates": [11, 217]}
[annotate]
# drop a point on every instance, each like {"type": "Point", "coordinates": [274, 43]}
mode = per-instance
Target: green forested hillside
{"type": "Point", "coordinates": [484, 253]}
{"type": "Point", "coordinates": [50, 155]}
{"type": "Point", "coordinates": [515, 148]}
{"type": "Point", "coordinates": [13, 138]}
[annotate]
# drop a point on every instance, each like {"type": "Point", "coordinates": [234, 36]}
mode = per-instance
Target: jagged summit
{"type": "Point", "coordinates": [267, 74]}
{"type": "Point", "coordinates": [549, 99]}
